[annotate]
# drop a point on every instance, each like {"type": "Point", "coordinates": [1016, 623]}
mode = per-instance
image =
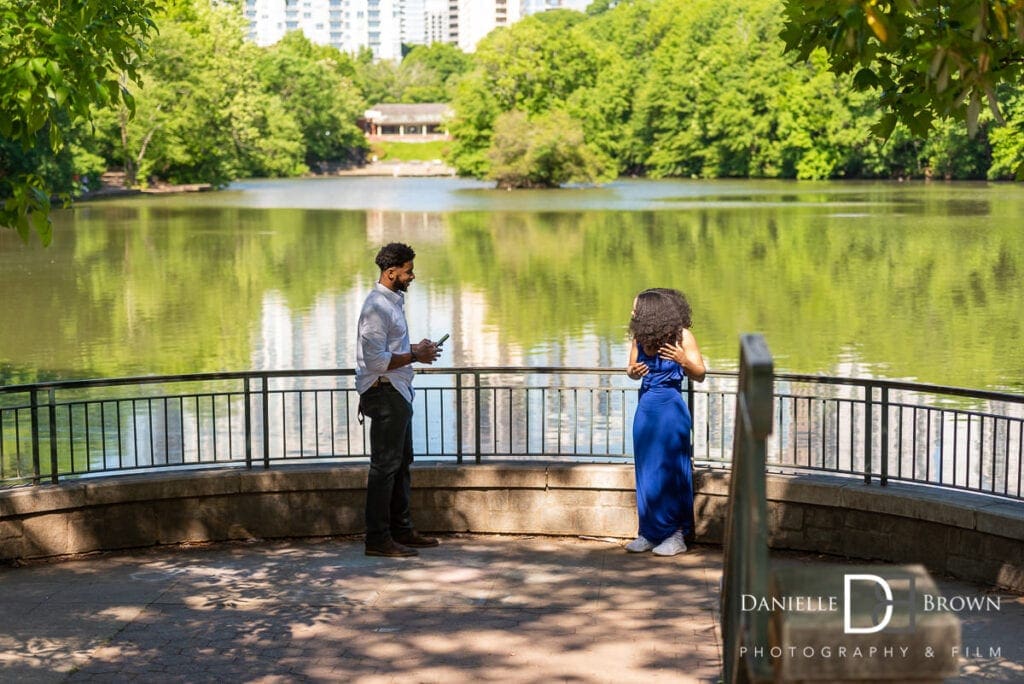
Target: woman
{"type": "Point", "coordinates": [662, 352]}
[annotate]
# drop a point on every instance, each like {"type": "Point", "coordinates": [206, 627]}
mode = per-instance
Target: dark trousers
{"type": "Point", "coordinates": [389, 485]}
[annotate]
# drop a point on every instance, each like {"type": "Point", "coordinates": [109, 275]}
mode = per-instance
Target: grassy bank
{"type": "Point", "coordinates": [409, 151]}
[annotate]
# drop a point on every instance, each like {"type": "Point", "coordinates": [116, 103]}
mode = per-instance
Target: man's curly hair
{"type": "Point", "coordinates": [660, 315]}
{"type": "Point", "coordinates": [393, 255]}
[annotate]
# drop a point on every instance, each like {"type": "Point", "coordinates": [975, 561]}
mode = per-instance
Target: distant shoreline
{"type": "Point", "coordinates": [112, 184]}
{"type": "Point", "coordinates": [398, 169]}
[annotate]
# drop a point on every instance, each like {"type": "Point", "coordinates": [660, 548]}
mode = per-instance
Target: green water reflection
{"type": "Point", "coordinates": [912, 281]}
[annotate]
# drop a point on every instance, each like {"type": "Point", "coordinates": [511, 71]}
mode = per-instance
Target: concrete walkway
{"type": "Point", "coordinates": [476, 609]}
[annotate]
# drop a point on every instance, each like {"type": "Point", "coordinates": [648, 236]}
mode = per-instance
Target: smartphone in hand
{"type": "Point", "coordinates": [441, 341]}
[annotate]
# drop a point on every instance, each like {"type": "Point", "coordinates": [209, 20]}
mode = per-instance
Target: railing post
{"type": "Point", "coordinates": [689, 405]}
{"type": "Point", "coordinates": [885, 436]}
{"type": "Point", "coordinates": [266, 422]}
{"type": "Point", "coordinates": [248, 424]}
{"type": "Point", "coordinates": [34, 415]}
{"type": "Point", "coordinates": [869, 394]}
{"type": "Point", "coordinates": [53, 435]}
{"type": "Point", "coordinates": [459, 445]}
{"type": "Point", "coordinates": [746, 534]}
{"type": "Point", "coordinates": [478, 416]}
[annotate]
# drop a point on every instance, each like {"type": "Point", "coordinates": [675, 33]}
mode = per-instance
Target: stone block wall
{"type": "Point", "coordinates": [968, 536]}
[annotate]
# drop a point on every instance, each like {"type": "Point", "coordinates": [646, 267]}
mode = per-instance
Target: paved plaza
{"type": "Point", "coordinates": [476, 609]}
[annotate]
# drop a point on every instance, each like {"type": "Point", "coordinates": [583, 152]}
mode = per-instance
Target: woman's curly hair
{"type": "Point", "coordinates": [659, 317]}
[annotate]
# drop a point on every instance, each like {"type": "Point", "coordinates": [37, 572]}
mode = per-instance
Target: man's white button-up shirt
{"type": "Point", "coordinates": [382, 332]}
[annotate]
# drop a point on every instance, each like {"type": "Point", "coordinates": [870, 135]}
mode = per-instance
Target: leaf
{"type": "Point", "coordinates": [921, 123]}
{"type": "Point", "coordinates": [993, 104]}
{"type": "Point", "coordinates": [43, 226]}
{"type": "Point", "coordinates": [54, 72]}
{"type": "Point", "coordinates": [40, 197]}
{"type": "Point", "coordinates": [877, 24]}
{"type": "Point", "coordinates": [22, 225]}
{"type": "Point", "coordinates": [865, 79]}
{"type": "Point", "coordinates": [129, 100]}
{"type": "Point", "coordinates": [36, 119]}
{"type": "Point", "coordinates": [885, 126]}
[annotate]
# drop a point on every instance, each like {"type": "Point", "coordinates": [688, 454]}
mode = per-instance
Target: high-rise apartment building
{"type": "Point", "coordinates": [348, 25]}
{"type": "Point", "coordinates": [384, 25]}
{"type": "Point", "coordinates": [477, 18]}
{"type": "Point", "coordinates": [435, 22]}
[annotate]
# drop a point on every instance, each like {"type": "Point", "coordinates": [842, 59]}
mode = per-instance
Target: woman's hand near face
{"type": "Point", "coordinates": [673, 352]}
{"type": "Point", "coordinates": [687, 354]}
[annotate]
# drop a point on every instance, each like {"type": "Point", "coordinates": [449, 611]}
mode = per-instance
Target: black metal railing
{"type": "Point", "coordinates": [950, 437]}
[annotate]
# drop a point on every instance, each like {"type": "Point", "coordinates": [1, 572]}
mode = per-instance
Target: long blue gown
{"type": "Point", "coordinates": [661, 451]}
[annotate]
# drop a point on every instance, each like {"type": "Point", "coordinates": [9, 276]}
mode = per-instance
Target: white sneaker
{"type": "Point", "coordinates": [671, 546]}
{"type": "Point", "coordinates": [639, 545]}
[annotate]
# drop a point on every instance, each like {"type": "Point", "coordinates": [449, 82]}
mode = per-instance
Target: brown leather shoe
{"type": "Point", "coordinates": [415, 539]}
{"type": "Point", "coordinates": [390, 549]}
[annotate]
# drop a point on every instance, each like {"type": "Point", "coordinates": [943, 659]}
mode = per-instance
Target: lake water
{"type": "Point", "coordinates": [914, 281]}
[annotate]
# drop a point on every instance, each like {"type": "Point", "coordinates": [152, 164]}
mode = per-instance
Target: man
{"type": "Point", "coordinates": [384, 377]}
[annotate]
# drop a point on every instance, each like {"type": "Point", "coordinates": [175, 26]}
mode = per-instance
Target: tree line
{"type": "Point", "coordinates": [726, 88]}
{"type": "Point", "coordinates": [173, 92]}
{"type": "Point", "coordinates": [658, 88]}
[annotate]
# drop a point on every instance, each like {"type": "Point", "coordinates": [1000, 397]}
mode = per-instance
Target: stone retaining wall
{"type": "Point", "coordinates": [968, 536]}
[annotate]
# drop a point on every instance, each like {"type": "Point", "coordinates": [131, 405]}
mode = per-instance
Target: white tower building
{"type": "Point", "coordinates": [477, 18]}
{"type": "Point", "coordinates": [383, 25]}
{"type": "Point", "coordinates": [348, 25]}
{"type": "Point", "coordinates": [437, 21]}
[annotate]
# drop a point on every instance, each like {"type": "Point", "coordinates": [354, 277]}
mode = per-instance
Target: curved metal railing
{"type": "Point", "coordinates": [875, 429]}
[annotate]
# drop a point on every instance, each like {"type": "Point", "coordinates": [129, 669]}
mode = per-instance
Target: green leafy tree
{"type": "Point", "coordinates": [53, 168]}
{"type": "Point", "coordinates": [310, 81]}
{"type": "Point", "coordinates": [203, 116]}
{"type": "Point", "coordinates": [705, 88]}
{"type": "Point", "coordinates": [543, 151]}
{"type": "Point", "coordinates": [613, 108]}
{"type": "Point", "coordinates": [377, 80]}
{"type": "Point", "coordinates": [268, 138]}
{"type": "Point", "coordinates": [58, 59]}
{"type": "Point", "coordinates": [950, 153]}
{"type": "Point", "coordinates": [445, 59]}
{"type": "Point", "coordinates": [539, 62]}
{"type": "Point", "coordinates": [821, 129]}
{"type": "Point", "coordinates": [533, 66]}
{"type": "Point", "coordinates": [1008, 141]}
{"type": "Point", "coordinates": [598, 7]}
{"type": "Point", "coordinates": [476, 109]}
{"type": "Point", "coordinates": [428, 72]}
{"type": "Point", "coordinates": [925, 59]}
{"type": "Point", "coordinates": [709, 93]}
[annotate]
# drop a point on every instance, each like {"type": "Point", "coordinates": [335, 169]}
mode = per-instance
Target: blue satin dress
{"type": "Point", "coordinates": [661, 451]}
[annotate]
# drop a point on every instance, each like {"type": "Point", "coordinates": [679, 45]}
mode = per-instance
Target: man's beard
{"type": "Point", "coordinates": [401, 286]}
